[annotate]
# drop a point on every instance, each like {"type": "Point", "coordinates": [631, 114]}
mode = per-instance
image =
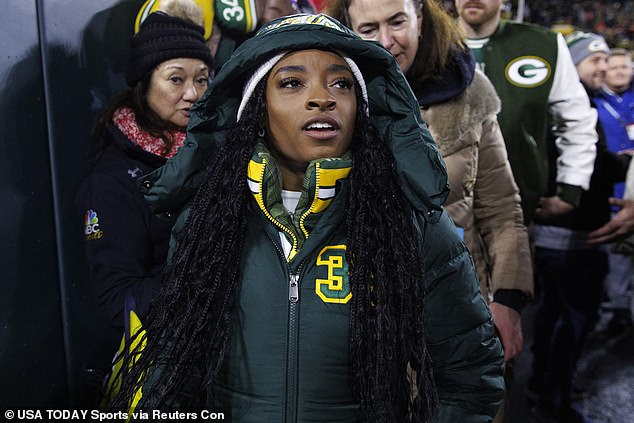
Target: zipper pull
{"type": "Point", "coordinates": [293, 288]}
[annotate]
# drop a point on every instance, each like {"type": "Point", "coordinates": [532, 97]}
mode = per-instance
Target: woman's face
{"type": "Point", "coordinates": [311, 108]}
{"type": "Point", "coordinates": [396, 24]}
{"type": "Point", "coordinates": [174, 86]}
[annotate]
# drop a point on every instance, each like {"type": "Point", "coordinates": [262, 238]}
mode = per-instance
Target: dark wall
{"type": "Point", "coordinates": [60, 62]}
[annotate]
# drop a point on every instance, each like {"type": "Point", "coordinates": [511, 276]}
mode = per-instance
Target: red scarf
{"type": "Point", "coordinates": [126, 121]}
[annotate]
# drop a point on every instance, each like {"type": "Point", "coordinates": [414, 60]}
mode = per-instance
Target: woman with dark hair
{"type": "Point", "coordinates": [315, 271]}
{"type": "Point", "coordinates": [145, 125]}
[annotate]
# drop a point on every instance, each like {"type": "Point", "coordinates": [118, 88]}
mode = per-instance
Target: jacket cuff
{"type": "Point", "coordinates": [513, 298]}
{"type": "Point", "coordinates": [571, 194]}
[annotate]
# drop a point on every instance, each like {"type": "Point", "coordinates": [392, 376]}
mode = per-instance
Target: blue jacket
{"type": "Point", "coordinates": [616, 111]}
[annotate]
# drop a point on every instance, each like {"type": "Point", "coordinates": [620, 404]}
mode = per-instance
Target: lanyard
{"type": "Point", "coordinates": [613, 112]}
{"type": "Point", "coordinates": [629, 126]}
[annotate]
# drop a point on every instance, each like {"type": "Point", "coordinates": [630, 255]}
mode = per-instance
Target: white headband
{"type": "Point", "coordinates": [268, 65]}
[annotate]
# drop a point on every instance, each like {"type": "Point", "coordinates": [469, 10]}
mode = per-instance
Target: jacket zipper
{"type": "Point", "coordinates": [291, 360]}
{"type": "Point", "coordinates": [279, 225]}
{"type": "Point", "coordinates": [293, 289]}
{"type": "Point", "coordinates": [291, 348]}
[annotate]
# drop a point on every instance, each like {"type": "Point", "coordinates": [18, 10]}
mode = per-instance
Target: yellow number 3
{"type": "Point", "coordinates": [335, 289]}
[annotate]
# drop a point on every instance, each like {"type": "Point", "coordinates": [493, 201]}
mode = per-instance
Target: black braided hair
{"type": "Point", "coordinates": [387, 324]}
{"type": "Point", "coordinates": [189, 323]}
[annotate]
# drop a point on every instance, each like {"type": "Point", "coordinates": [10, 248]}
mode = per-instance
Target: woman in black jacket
{"type": "Point", "coordinates": [126, 244]}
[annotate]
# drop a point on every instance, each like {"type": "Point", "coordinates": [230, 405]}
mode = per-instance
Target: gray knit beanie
{"type": "Point", "coordinates": [583, 44]}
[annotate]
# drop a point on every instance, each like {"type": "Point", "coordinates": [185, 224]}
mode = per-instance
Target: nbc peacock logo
{"type": "Point", "coordinates": [91, 226]}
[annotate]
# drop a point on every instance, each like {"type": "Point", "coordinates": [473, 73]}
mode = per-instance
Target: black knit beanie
{"type": "Point", "coordinates": [163, 37]}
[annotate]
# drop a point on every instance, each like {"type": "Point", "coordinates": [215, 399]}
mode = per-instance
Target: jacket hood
{"type": "Point", "coordinates": [454, 81]}
{"type": "Point", "coordinates": [392, 105]}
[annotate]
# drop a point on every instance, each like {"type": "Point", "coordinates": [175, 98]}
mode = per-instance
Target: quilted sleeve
{"type": "Point", "coordinates": [467, 357]}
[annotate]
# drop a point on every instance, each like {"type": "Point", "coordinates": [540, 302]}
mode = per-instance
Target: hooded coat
{"type": "Point", "coordinates": [288, 357]}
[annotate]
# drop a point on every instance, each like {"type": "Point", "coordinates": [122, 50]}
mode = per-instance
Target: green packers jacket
{"type": "Point", "coordinates": [539, 87]}
{"type": "Point", "coordinates": [288, 358]}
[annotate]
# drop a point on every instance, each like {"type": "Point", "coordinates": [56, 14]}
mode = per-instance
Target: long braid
{"type": "Point", "coordinates": [387, 314]}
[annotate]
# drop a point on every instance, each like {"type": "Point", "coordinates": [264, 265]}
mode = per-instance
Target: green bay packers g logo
{"type": "Point", "coordinates": [527, 71]}
{"type": "Point", "coordinates": [336, 288]}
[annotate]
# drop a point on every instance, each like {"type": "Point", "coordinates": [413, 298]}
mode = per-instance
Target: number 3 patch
{"type": "Point", "coordinates": [335, 288]}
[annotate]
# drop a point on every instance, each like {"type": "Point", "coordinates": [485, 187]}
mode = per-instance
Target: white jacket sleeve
{"type": "Point", "coordinates": [574, 122]}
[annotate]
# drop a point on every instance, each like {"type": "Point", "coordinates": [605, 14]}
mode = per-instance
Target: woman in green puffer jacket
{"type": "Point", "coordinates": [314, 270]}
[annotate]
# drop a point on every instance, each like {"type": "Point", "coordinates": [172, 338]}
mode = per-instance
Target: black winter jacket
{"type": "Point", "coordinates": [125, 243]}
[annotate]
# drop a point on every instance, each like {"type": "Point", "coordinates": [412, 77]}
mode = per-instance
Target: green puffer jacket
{"type": "Point", "coordinates": [288, 359]}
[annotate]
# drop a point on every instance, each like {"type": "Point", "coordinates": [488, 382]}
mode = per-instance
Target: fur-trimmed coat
{"type": "Point", "coordinates": [484, 200]}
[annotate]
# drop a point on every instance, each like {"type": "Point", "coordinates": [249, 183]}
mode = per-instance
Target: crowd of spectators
{"type": "Point", "coordinates": [614, 20]}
